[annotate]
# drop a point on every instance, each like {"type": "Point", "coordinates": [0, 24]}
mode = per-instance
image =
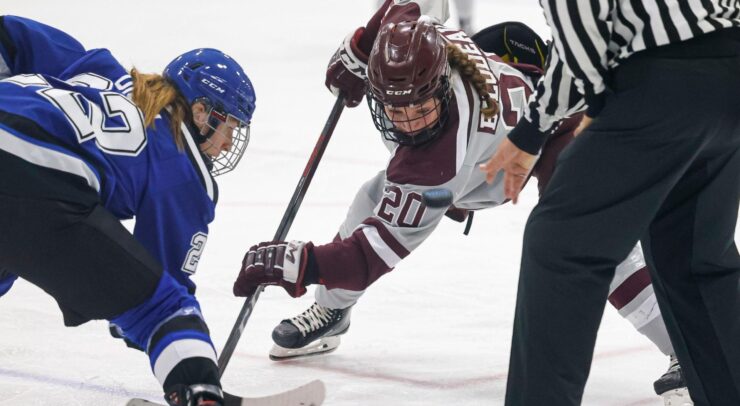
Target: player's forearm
{"type": "Point", "coordinates": [27, 46]}
{"type": "Point", "coordinates": [390, 12]}
{"type": "Point", "coordinates": [360, 259]}
{"type": "Point", "coordinates": [438, 10]}
{"type": "Point", "coordinates": [555, 99]}
{"type": "Point", "coordinates": [365, 43]}
{"type": "Point", "coordinates": [580, 35]}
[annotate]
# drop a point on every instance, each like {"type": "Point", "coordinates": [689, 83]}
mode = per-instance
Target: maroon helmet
{"type": "Point", "coordinates": [408, 67]}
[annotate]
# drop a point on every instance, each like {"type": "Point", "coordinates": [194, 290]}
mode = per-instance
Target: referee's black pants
{"type": "Point", "coordinates": [661, 163]}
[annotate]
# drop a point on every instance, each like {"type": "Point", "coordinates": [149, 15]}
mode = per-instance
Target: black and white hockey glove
{"type": "Point", "coordinates": [347, 70]}
{"type": "Point", "coordinates": [276, 263]}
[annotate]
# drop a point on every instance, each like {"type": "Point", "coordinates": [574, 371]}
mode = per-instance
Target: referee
{"type": "Point", "coordinates": [658, 161]}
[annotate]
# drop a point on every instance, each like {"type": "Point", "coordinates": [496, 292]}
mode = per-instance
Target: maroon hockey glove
{"type": "Point", "coordinates": [274, 263]}
{"type": "Point", "coordinates": [347, 70]}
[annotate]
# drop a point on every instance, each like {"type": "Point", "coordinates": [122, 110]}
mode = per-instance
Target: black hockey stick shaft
{"type": "Point", "coordinates": [283, 228]}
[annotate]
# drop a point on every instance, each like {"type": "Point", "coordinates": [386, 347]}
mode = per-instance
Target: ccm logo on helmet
{"type": "Point", "coordinates": [212, 85]}
{"type": "Point", "coordinates": [398, 92]}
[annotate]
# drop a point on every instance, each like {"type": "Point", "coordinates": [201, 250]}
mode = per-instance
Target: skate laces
{"type": "Point", "coordinates": [312, 319]}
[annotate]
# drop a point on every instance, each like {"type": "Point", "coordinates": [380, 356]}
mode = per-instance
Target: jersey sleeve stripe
{"type": "Point", "coordinates": [48, 157]}
{"type": "Point", "coordinates": [389, 257]}
{"type": "Point", "coordinates": [387, 237]}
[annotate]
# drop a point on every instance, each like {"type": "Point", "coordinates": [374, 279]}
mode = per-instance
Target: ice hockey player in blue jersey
{"type": "Point", "coordinates": [84, 143]}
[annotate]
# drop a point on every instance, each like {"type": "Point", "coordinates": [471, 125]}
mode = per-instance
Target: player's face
{"type": "Point", "coordinates": [414, 118]}
{"type": "Point", "coordinates": [221, 139]}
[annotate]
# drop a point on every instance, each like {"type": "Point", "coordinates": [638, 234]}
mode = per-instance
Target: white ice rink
{"type": "Point", "coordinates": [436, 331]}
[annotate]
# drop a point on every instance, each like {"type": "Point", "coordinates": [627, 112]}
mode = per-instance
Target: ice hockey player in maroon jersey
{"type": "Point", "coordinates": [442, 105]}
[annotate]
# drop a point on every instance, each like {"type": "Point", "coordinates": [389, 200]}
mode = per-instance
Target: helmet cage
{"type": "Point", "coordinates": [390, 128]}
{"type": "Point", "coordinates": [219, 123]}
{"type": "Point", "coordinates": [213, 78]}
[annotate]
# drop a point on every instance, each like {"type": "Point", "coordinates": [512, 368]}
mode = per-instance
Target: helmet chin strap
{"type": "Point", "coordinates": [199, 137]}
{"type": "Point", "coordinates": [195, 132]}
{"type": "Point", "coordinates": [208, 134]}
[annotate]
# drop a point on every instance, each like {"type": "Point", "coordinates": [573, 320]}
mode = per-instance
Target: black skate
{"type": "Point", "coordinates": [195, 395]}
{"type": "Point", "coordinates": [315, 331]}
{"type": "Point", "coordinates": [672, 386]}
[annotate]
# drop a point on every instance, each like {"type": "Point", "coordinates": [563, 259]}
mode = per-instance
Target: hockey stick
{"type": "Point", "coordinates": [310, 394]}
{"type": "Point", "coordinates": [283, 228]}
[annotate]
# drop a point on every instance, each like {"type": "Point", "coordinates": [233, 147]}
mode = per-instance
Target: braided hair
{"type": "Point", "coordinates": [459, 60]}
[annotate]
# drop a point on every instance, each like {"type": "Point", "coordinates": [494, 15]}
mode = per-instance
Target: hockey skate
{"type": "Point", "coordinates": [315, 331]}
{"type": "Point", "coordinates": [672, 386]}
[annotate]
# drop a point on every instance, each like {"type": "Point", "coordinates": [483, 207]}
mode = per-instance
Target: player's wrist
{"type": "Point", "coordinates": [311, 271]}
{"type": "Point", "coordinates": [527, 137]}
{"type": "Point", "coordinates": [304, 272]}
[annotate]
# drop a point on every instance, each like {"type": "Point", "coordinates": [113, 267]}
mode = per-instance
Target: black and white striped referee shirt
{"type": "Point", "coordinates": [590, 37]}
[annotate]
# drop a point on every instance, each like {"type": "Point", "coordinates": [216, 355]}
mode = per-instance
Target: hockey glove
{"type": "Point", "coordinates": [276, 263]}
{"type": "Point", "coordinates": [347, 70]}
{"type": "Point", "coordinates": [514, 42]}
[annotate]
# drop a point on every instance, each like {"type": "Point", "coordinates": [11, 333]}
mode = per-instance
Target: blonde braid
{"type": "Point", "coordinates": [460, 61]}
{"type": "Point", "coordinates": [152, 94]}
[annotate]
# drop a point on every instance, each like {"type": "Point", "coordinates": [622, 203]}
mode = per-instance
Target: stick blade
{"type": "Point", "coordinates": [309, 394]}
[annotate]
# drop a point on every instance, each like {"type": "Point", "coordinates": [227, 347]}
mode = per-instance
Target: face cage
{"type": "Point", "coordinates": [391, 133]}
{"type": "Point", "coordinates": [227, 160]}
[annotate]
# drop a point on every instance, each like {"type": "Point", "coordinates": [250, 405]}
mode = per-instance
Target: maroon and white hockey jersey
{"type": "Point", "coordinates": [375, 239]}
{"type": "Point", "coordinates": [388, 219]}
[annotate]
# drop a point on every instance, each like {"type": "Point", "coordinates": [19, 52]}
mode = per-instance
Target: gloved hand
{"type": "Point", "coordinates": [275, 263]}
{"type": "Point", "coordinates": [514, 42]}
{"type": "Point", "coordinates": [347, 70]}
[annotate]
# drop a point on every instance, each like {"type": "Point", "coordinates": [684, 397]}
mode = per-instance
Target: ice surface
{"type": "Point", "coordinates": [436, 331]}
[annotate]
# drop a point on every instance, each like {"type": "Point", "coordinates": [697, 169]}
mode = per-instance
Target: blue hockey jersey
{"type": "Point", "coordinates": [81, 100]}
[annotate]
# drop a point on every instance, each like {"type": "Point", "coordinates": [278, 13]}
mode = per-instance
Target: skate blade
{"type": "Point", "coordinates": [321, 346]}
{"type": "Point", "coordinates": [677, 397]}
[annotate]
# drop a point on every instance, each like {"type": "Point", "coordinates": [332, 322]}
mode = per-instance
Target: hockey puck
{"type": "Point", "coordinates": [437, 198]}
